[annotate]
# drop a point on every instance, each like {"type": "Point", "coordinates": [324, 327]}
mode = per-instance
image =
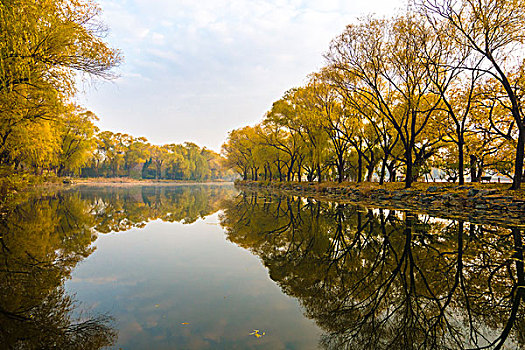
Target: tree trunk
{"type": "Point", "coordinates": [461, 167]}
{"type": "Point", "coordinates": [359, 167]}
{"type": "Point", "coordinates": [392, 171]}
{"type": "Point", "coordinates": [408, 175]}
{"type": "Point", "coordinates": [310, 175]}
{"type": "Point", "coordinates": [319, 179]}
{"type": "Point", "coordinates": [383, 172]}
{"type": "Point", "coordinates": [370, 167]}
{"type": "Point", "coordinates": [340, 168]}
{"type": "Point", "coordinates": [518, 165]}
{"type": "Point", "coordinates": [473, 174]}
{"type": "Point", "coordinates": [480, 172]}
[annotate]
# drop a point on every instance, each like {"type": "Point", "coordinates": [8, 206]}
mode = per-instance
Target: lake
{"type": "Point", "coordinates": [212, 267]}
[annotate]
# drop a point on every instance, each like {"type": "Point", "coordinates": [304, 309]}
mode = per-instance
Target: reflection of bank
{"type": "Point", "coordinates": [46, 237]}
{"type": "Point", "coordinates": [378, 279]}
{"type": "Point", "coordinates": [43, 241]}
{"type": "Point", "coordinates": [118, 209]}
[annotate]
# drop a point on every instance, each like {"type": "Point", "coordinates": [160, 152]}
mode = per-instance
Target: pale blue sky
{"type": "Point", "coordinates": [195, 70]}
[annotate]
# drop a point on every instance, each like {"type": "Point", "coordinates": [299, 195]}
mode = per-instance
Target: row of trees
{"type": "Point", "coordinates": [437, 87]}
{"type": "Point", "coordinates": [78, 148]}
{"type": "Point", "coordinates": [117, 155]}
{"type": "Point", "coordinates": [44, 46]}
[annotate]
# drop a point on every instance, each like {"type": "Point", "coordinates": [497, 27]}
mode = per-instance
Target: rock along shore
{"type": "Point", "coordinates": [474, 203]}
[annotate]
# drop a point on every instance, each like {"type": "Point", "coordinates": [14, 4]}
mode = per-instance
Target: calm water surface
{"type": "Point", "coordinates": [209, 267]}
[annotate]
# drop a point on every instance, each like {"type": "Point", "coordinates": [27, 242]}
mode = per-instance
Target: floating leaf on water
{"type": "Point", "coordinates": [157, 305]}
{"type": "Point", "coordinates": [256, 333]}
{"type": "Point", "coordinates": [184, 323]}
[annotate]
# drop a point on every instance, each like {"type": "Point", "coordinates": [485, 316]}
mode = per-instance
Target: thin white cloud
{"type": "Point", "coordinates": [196, 69]}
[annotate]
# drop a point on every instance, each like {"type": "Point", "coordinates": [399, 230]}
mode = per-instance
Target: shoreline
{"type": "Point", "coordinates": [12, 189]}
{"type": "Point", "coordinates": [125, 182]}
{"type": "Point", "coordinates": [479, 203]}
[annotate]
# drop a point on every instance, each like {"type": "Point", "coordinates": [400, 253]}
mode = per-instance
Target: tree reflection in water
{"type": "Point", "coordinates": [380, 279]}
{"type": "Point", "coordinates": [43, 239]}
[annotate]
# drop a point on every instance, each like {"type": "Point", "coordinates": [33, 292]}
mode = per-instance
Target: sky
{"type": "Point", "coordinates": [195, 70]}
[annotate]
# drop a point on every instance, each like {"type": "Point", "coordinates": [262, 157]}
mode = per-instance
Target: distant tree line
{"type": "Point", "coordinates": [438, 87]}
{"type": "Point", "coordinates": [122, 155]}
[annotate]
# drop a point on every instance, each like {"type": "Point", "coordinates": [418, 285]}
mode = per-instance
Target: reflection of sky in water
{"type": "Point", "coordinates": [156, 278]}
{"type": "Point", "coordinates": [372, 279]}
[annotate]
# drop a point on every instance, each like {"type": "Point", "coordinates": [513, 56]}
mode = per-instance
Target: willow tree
{"type": "Point", "coordinates": [328, 103]}
{"type": "Point", "coordinates": [238, 150]}
{"type": "Point", "coordinates": [43, 45]}
{"type": "Point", "coordinates": [307, 113]}
{"type": "Point", "coordinates": [386, 67]}
{"type": "Point", "coordinates": [494, 31]}
{"type": "Point", "coordinates": [282, 132]}
{"type": "Point", "coordinates": [455, 86]}
{"type": "Point", "coordinates": [77, 141]}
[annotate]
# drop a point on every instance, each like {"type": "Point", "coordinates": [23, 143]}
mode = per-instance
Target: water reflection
{"type": "Point", "coordinates": [379, 279]}
{"type": "Point", "coordinates": [42, 241]}
{"type": "Point", "coordinates": [370, 278]}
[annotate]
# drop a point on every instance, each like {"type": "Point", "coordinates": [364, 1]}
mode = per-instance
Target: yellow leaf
{"type": "Point", "coordinates": [256, 333]}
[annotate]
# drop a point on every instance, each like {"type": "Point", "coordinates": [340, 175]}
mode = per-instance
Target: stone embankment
{"type": "Point", "coordinates": [470, 202]}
